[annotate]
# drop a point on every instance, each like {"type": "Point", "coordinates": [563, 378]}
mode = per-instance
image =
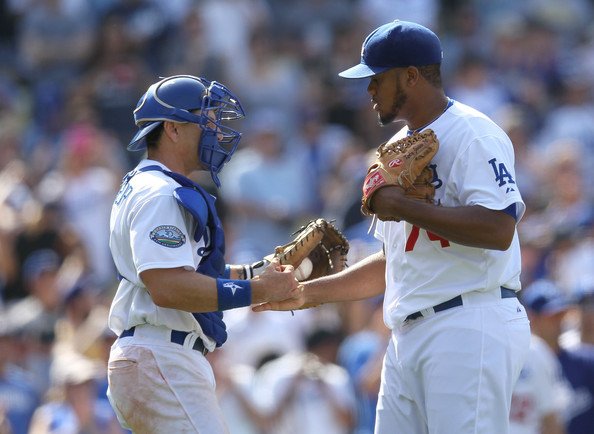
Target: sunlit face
{"type": "Point", "coordinates": [211, 125]}
{"type": "Point", "coordinates": [192, 135]}
{"type": "Point", "coordinates": [387, 95]}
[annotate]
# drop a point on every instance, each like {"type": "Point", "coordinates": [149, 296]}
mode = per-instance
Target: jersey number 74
{"type": "Point", "coordinates": [414, 236]}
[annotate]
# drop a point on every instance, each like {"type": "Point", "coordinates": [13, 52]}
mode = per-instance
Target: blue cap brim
{"type": "Point", "coordinates": [362, 71]}
{"type": "Point", "coordinates": [138, 142]}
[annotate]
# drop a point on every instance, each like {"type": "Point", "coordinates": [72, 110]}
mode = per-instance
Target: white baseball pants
{"type": "Point", "coordinates": [156, 386]}
{"type": "Point", "coordinates": [454, 371]}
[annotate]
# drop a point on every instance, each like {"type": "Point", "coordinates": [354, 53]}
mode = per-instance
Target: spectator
{"type": "Point", "coordinates": [309, 392]}
{"type": "Point", "coordinates": [18, 394]}
{"type": "Point", "coordinates": [35, 316]}
{"type": "Point", "coordinates": [547, 307]}
{"type": "Point", "coordinates": [43, 228]}
{"type": "Point", "coordinates": [194, 54]}
{"type": "Point", "coordinates": [362, 354]}
{"type": "Point", "coordinates": [255, 184]}
{"type": "Point", "coordinates": [115, 76]}
{"type": "Point", "coordinates": [236, 395]}
{"type": "Point", "coordinates": [254, 337]}
{"type": "Point", "coordinates": [568, 208]}
{"type": "Point", "coordinates": [86, 185]}
{"type": "Point", "coordinates": [538, 397]}
{"type": "Point", "coordinates": [329, 155]}
{"type": "Point", "coordinates": [475, 85]}
{"type": "Point", "coordinates": [376, 12]}
{"type": "Point", "coordinates": [74, 407]}
{"type": "Point", "coordinates": [273, 80]}
{"type": "Point", "coordinates": [54, 44]}
{"type": "Point", "coordinates": [232, 41]}
{"type": "Point", "coordinates": [583, 332]}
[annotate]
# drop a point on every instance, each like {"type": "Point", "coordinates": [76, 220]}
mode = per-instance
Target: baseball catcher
{"type": "Point", "coordinates": [318, 249]}
{"type": "Point", "coordinates": [402, 163]}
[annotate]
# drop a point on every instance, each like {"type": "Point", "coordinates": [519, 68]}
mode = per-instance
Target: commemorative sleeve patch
{"type": "Point", "coordinates": [168, 236]}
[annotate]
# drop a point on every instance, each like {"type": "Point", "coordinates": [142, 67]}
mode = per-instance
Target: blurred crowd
{"type": "Point", "coordinates": [71, 72]}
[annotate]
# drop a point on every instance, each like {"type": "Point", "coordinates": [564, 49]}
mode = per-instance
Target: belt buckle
{"type": "Point", "coordinates": [199, 346]}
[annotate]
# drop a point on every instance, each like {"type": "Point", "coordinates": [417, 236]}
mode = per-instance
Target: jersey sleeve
{"type": "Point", "coordinates": [379, 230]}
{"type": "Point", "coordinates": [159, 235]}
{"type": "Point", "coordinates": [487, 175]}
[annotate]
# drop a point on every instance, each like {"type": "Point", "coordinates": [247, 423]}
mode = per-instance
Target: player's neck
{"type": "Point", "coordinates": [171, 160]}
{"type": "Point", "coordinates": [431, 113]}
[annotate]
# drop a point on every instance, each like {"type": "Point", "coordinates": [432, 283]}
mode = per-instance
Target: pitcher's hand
{"type": "Point", "coordinates": [276, 283]}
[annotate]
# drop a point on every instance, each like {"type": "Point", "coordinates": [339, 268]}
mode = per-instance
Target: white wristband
{"type": "Point", "coordinates": [255, 269]}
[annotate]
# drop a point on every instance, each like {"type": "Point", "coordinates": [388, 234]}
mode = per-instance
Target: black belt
{"type": "Point", "coordinates": [177, 337]}
{"type": "Point", "coordinates": [457, 301]}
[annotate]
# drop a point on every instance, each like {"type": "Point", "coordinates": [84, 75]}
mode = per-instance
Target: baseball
{"type": "Point", "coordinates": [304, 270]}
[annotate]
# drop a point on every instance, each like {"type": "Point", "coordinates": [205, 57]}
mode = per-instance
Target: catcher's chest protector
{"type": "Point", "coordinates": [208, 226]}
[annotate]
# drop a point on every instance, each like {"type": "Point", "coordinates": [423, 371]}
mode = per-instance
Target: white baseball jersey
{"type": "Point", "coordinates": [473, 166]}
{"type": "Point", "coordinates": [538, 391]}
{"type": "Point", "coordinates": [148, 230]}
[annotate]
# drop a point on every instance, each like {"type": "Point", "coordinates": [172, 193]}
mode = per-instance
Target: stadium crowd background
{"type": "Point", "coordinates": [71, 71]}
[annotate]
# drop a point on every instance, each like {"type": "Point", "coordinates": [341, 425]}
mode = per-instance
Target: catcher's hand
{"type": "Point", "coordinates": [319, 249]}
{"type": "Point", "coordinates": [401, 163]}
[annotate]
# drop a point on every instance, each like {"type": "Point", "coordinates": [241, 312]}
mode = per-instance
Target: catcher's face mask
{"type": "Point", "coordinates": [174, 99]}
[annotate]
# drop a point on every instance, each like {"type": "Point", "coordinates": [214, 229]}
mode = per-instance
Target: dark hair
{"type": "Point", "coordinates": [323, 336]}
{"type": "Point", "coordinates": [153, 137]}
{"type": "Point", "coordinates": [431, 73]}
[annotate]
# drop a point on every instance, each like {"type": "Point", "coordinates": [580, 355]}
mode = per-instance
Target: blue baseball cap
{"type": "Point", "coordinates": [39, 262]}
{"type": "Point", "coordinates": [544, 297]}
{"type": "Point", "coordinates": [396, 45]}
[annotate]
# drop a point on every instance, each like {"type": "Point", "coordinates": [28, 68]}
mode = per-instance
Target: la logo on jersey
{"type": "Point", "coordinates": [232, 286]}
{"type": "Point", "coordinates": [502, 175]}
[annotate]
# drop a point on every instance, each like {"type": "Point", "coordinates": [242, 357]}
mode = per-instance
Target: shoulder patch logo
{"type": "Point", "coordinates": [168, 236]}
{"type": "Point", "coordinates": [502, 175]}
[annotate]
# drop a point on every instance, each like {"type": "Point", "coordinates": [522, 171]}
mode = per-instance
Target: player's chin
{"type": "Point", "coordinates": [385, 118]}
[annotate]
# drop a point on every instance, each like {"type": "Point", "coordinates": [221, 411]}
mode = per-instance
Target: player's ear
{"type": "Point", "coordinates": [412, 75]}
{"type": "Point", "coordinates": [170, 130]}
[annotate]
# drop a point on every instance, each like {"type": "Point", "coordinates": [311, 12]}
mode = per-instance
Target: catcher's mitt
{"type": "Point", "coordinates": [319, 242]}
{"type": "Point", "coordinates": [399, 163]}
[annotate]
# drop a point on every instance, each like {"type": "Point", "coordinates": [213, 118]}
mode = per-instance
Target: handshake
{"type": "Point", "coordinates": [317, 249]}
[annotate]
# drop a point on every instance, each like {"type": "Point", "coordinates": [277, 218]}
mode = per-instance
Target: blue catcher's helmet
{"type": "Point", "coordinates": [174, 98]}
